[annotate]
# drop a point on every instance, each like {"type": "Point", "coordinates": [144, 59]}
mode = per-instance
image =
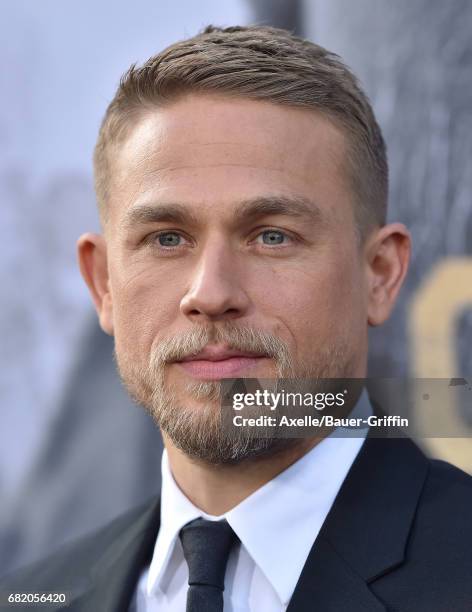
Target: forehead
{"type": "Point", "coordinates": [211, 152]}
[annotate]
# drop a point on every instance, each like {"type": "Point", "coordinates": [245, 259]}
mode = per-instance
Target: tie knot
{"type": "Point", "coordinates": [206, 545]}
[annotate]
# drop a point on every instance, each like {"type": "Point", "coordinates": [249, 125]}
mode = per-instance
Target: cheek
{"type": "Point", "coordinates": [144, 307]}
{"type": "Point", "coordinates": [313, 303]}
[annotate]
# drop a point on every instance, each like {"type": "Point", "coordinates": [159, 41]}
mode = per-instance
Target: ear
{"type": "Point", "coordinates": [92, 256]}
{"type": "Point", "coordinates": [388, 254]}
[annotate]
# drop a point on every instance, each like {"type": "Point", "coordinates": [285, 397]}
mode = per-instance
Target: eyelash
{"type": "Point", "coordinates": [152, 239]}
{"type": "Point", "coordinates": [277, 231]}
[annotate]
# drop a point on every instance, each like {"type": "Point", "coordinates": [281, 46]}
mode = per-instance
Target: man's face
{"type": "Point", "coordinates": [231, 229]}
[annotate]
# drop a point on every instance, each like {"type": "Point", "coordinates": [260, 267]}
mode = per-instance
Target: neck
{"type": "Point", "coordinates": [216, 489]}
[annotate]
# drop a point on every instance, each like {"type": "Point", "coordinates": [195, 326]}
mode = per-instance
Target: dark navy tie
{"type": "Point", "coordinates": [206, 546]}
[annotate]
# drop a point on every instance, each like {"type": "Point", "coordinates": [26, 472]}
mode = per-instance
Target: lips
{"type": "Point", "coordinates": [216, 362]}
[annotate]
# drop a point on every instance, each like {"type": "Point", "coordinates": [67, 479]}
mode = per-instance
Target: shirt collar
{"type": "Point", "coordinates": [278, 523]}
{"type": "Point", "coordinates": [176, 511]}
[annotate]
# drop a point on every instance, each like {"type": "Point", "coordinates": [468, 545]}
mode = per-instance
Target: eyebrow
{"type": "Point", "coordinates": [290, 206]}
{"type": "Point", "coordinates": [263, 206]}
{"type": "Point", "coordinates": [143, 214]}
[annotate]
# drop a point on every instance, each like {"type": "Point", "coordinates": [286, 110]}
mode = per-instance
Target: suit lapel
{"type": "Point", "coordinates": [114, 577]}
{"type": "Point", "coordinates": [366, 531]}
{"type": "Point", "coordinates": [329, 584]}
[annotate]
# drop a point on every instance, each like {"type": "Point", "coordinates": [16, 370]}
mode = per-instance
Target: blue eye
{"type": "Point", "coordinates": [169, 239]}
{"type": "Point", "coordinates": [273, 237]}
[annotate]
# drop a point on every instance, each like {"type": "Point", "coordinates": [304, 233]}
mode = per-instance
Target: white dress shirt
{"type": "Point", "coordinates": [277, 526]}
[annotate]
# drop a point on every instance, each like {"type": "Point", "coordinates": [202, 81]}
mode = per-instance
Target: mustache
{"type": "Point", "coordinates": [236, 337]}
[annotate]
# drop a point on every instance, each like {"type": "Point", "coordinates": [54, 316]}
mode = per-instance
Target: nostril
{"type": "Point", "coordinates": [234, 311]}
{"type": "Point", "coordinates": [215, 302]}
{"type": "Point", "coordinates": [229, 312]}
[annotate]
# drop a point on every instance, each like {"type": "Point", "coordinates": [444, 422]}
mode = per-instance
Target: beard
{"type": "Point", "coordinates": [198, 431]}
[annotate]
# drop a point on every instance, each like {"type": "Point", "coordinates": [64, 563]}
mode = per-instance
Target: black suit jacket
{"type": "Point", "coordinates": [398, 538]}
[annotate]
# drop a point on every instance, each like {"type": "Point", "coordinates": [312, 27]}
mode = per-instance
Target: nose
{"type": "Point", "coordinates": [216, 291]}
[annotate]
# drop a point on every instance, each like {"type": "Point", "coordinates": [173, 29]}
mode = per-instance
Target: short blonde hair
{"type": "Point", "coordinates": [260, 63]}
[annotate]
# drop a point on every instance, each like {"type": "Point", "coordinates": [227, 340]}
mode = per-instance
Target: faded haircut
{"type": "Point", "coordinates": [259, 63]}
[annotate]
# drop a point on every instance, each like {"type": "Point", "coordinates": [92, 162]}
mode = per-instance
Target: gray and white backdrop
{"type": "Point", "coordinates": [74, 451]}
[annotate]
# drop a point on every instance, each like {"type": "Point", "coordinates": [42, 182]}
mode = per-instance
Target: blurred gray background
{"type": "Point", "coordinates": [74, 451]}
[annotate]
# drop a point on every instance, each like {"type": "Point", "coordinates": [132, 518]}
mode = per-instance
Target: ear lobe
{"type": "Point", "coordinates": [93, 263]}
{"type": "Point", "coordinates": [388, 261]}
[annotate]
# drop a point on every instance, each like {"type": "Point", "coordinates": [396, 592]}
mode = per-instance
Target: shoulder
{"type": "Point", "coordinates": [437, 564]}
{"type": "Point", "coordinates": [445, 501]}
{"type": "Point", "coordinates": [442, 473]}
{"type": "Point", "coordinates": [71, 567]}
